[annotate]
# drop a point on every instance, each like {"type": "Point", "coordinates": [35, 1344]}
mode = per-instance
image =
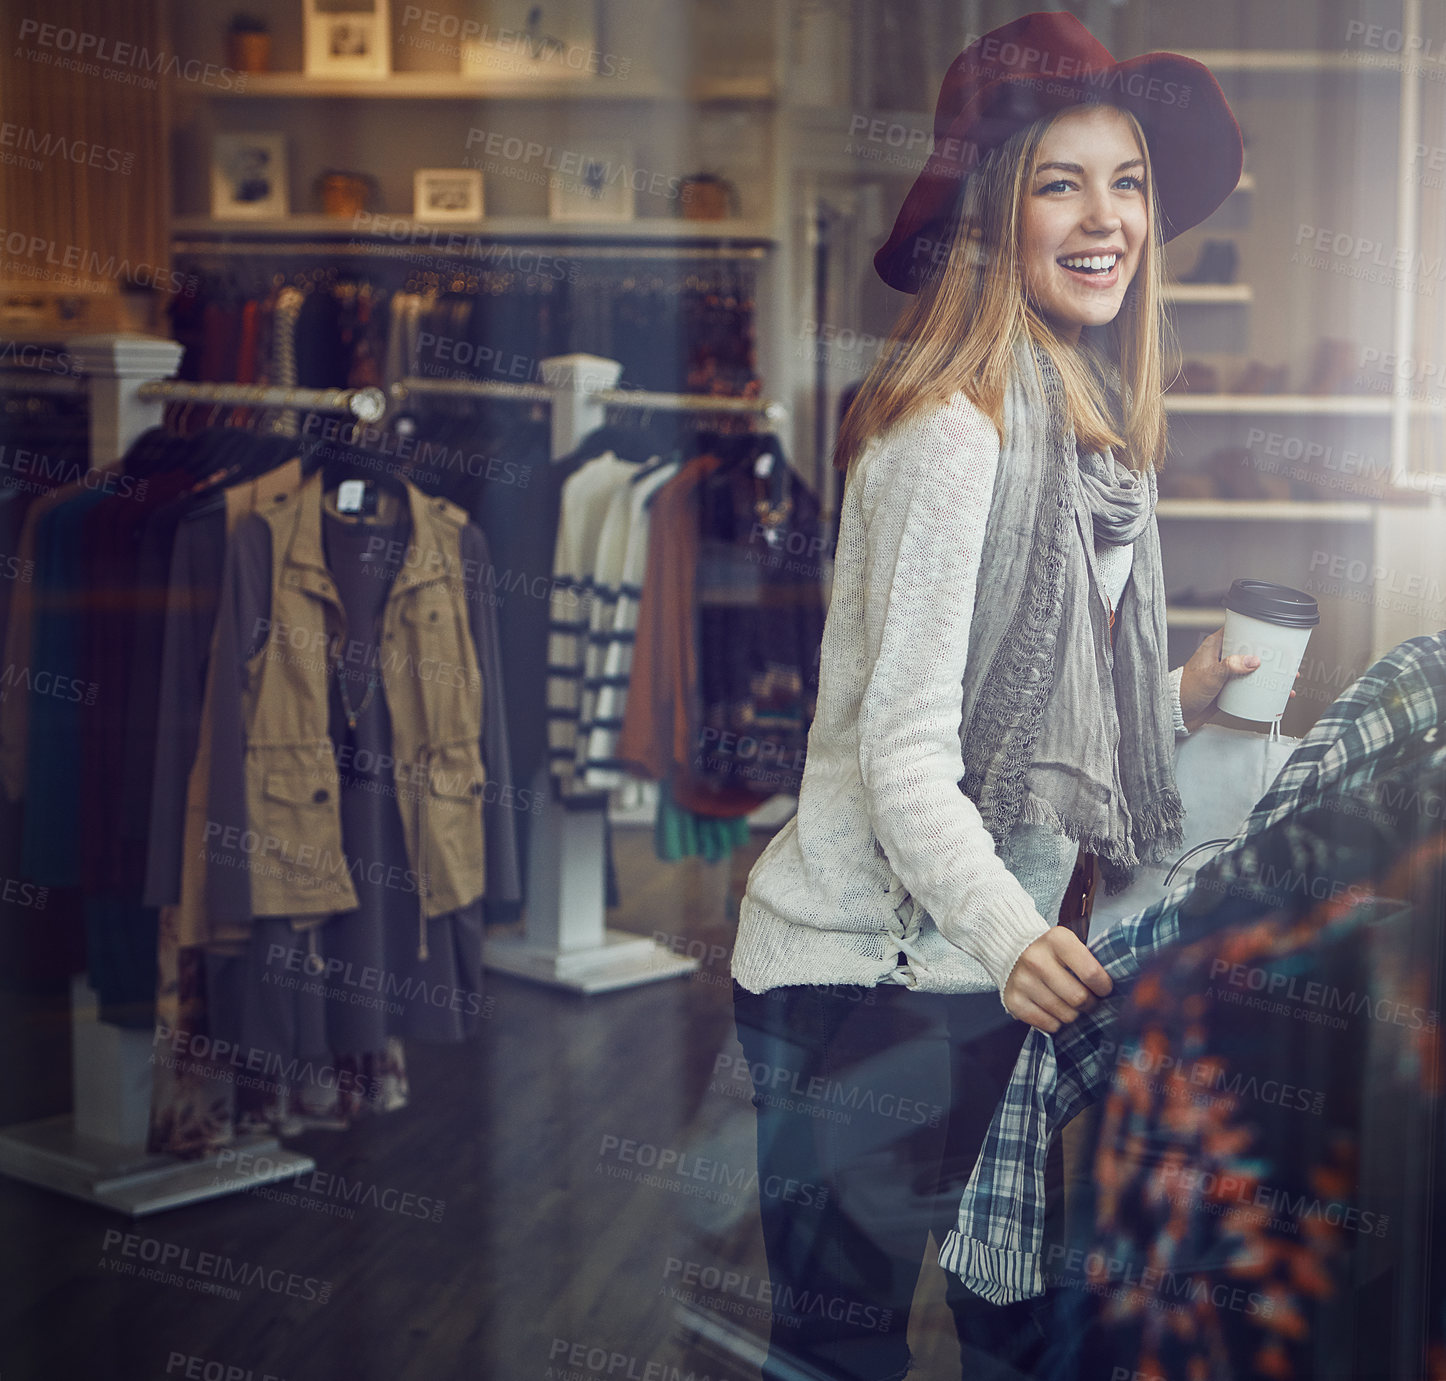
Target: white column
{"type": "Point", "coordinates": [117, 366]}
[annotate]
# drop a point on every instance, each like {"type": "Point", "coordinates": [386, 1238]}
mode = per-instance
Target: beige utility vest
{"type": "Point", "coordinates": [429, 673]}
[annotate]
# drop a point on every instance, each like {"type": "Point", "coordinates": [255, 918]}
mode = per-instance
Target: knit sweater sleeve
{"type": "Point", "coordinates": [1175, 676]}
{"type": "Point", "coordinates": [926, 498]}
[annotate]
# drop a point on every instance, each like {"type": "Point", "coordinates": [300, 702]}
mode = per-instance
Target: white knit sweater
{"type": "Point", "coordinates": [826, 903]}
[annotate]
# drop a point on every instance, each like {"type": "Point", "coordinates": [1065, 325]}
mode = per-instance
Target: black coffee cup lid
{"type": "Point", "coordinates": [1271, 603]}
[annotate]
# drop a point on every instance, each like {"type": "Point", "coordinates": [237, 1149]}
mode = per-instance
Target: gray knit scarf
{"type": "Point", "coordinates": [1046, 698]}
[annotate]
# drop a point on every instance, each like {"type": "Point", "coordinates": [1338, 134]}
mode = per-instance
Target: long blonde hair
{"type": "Point", "coordinates": [981, 285]}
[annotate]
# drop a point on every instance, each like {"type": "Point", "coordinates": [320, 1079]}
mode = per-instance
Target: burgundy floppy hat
{"type": "Point", "coordinates": [1038, 65]}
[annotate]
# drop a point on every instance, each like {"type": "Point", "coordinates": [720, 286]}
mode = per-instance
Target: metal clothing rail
{"type": "Point", "coordinates": [32, 381]}
{"type": "Point", "coordinates": [473, 388]}
{"type": "Point", "coordinates": [690, 402]}
{"type": "Point", "coordinates": [642, 399]}
{"type": "Point", "coordinates": [365, 404]}
{"type": "Point", "coordinates": [483, 252]}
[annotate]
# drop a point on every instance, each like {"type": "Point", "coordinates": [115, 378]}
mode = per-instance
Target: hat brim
{"type": "Point", "coordinates": [1196, 153]}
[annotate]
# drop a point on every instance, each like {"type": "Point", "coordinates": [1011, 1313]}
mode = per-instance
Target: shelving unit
{"type": "Point", "coordinates": [444, 86]}
{"type": "Point", "coordinates": [1192, 616]}
{"type": "Point", "coordinates": [1278, 404]}
{"type": "Point", "coordinates": [531, 228]}
{"type": "Point", "coordinates": [1264, 510]}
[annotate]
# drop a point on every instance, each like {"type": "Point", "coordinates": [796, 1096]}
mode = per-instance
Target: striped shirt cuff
{"type": "Point", "coordinates": [1001, 1277]}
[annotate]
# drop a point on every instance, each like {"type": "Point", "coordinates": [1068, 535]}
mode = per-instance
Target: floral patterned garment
{"type": "Point", "coordinates": [1260, 1203]}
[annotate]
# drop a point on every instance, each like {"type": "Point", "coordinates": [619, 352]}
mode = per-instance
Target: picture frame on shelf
{"type": "Point", "coordinates": [522, 41]}
{"type": "Point", "coordinates": [596, 186]}
{"type": "Point", "coordinates": [249, 177]}
{"type": "Point", "coordinates": [347, 38]}
{"type": "Point", "coordinates": [447, 194]}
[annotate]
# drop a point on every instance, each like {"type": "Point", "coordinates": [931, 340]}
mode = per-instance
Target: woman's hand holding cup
{"type": "Point", "coordinates": [1054, 980]}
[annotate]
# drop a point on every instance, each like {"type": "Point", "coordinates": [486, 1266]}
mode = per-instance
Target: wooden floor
{"type": "Point", "coordinates": [544, 1264]}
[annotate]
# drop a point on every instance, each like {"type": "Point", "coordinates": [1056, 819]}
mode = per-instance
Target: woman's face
{"type": "Point", "coordinates": [1086, 217]}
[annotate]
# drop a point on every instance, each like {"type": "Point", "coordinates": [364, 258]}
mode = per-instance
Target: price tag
{"type": "Point", "coordinates": [349, 495]}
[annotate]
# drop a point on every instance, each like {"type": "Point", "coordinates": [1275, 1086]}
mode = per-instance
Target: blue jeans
{"type": "Point", "coordinates": [872, 1105]}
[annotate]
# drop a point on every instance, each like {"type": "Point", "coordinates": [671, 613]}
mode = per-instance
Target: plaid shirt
{"type": "Point", "coordinates": [1386, 717]}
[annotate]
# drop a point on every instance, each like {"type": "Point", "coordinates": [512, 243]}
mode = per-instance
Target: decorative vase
{"type": "Point", "coordinates": [249, 51]}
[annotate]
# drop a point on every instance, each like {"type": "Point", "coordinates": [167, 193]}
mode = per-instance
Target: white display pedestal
{"type": "Point", "coordinates": [98, 1153]}
{"type": "Point", "coordinates": [567, 943]}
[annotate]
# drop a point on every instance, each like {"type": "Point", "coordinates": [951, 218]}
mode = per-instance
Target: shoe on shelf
{"type": "Point", "coordinates": [1191, 598]}
{"type": "Point", "coordinates": [1217, 263]}
{"type": "Point", "coordinates": [1332, 367]}
{"type": "Point", "coordinates": [1237, 477]}
{"type": "Point", "coordinates": [1196, 376]}
{"type": "Point", "coordinates": [1186, 484]}
{"type": "Point", "coordinates": [1263, 378]}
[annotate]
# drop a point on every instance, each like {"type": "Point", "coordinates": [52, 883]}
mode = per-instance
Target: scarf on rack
{"type": "Point", "coordinates": [1060, 726]}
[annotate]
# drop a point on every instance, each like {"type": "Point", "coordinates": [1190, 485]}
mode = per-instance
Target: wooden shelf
{"type": "Point", "coordinates": [1211, 294]}
{"type": "Point", "coordinates": [433, 235]}
{"type": "Point", "coordinates": [1279, 404]}
{"type": "Point", "coordinates": [1294, 60]}
{"type": "Point", "coordinates": [450, 86]}
{"type": "Point", "coordinates": [1265, 510]}
{"type": "Point", "coordinates": [1190, 616]}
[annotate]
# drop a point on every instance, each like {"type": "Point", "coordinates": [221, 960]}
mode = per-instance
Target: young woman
{"type": "Point", "coordinates": [993, 693]}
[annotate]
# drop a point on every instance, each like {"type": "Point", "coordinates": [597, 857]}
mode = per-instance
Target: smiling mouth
{"type": "Point", "coordinates": [1090, 265]}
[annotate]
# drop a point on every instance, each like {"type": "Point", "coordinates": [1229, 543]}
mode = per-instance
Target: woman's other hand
{"type": "Point", "coordinates": [1205, 676]}
{"type": "Point", "coordinates": [1054, 980]}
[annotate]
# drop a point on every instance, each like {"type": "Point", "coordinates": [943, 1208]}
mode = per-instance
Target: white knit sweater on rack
{"type": "Point", "coordinates": [826, 903]}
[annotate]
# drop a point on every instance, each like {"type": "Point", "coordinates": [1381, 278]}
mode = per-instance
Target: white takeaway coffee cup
{"type": "Point", "coordinates": [1274, 623]}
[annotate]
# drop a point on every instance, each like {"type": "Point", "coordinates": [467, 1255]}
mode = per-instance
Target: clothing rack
{"type": "Point", "coordinates": [365, 404]}
{"type": "Point", "coordinates": [567, 943]}
{"type": "Point", "coordinates": [97, 1152]}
